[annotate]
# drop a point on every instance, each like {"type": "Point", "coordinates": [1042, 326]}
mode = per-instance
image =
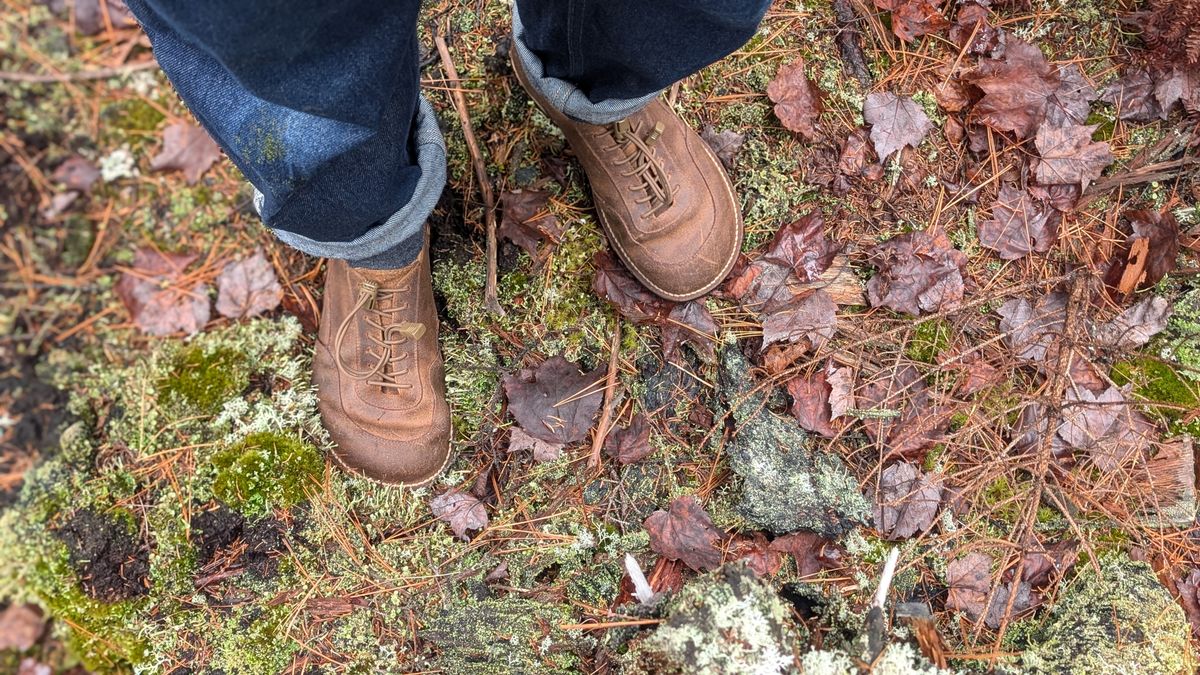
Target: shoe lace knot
{"type": "Point", "coordinates": [388, 336]}
{"type": "Point", "coordinates": [642, 163]}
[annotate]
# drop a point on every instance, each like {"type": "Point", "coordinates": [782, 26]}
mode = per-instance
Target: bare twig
{"type": "Point", "coordinates": [490, 299]}
{"type": "Point", "coordinates": [850, 42]}
{"type": "Point", "coordinates": [609, 386]}
{"type": "Point", "coordinates": [98, 74]}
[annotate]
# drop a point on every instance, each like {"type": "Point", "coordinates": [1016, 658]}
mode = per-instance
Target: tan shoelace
{"type": "Point", "coordinates": [390, 335]}
{"type": "Point", "coordinates": [639, 156]}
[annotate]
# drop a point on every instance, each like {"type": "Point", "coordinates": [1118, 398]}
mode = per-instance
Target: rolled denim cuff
{"type": "Point", "coordinates": [566, 97]}
{"type": "Point", "coordinates": [404, 224]}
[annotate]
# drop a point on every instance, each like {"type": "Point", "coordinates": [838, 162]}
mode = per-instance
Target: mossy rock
{"type": "Point", "coordinates": [501, 636]}
{"type": "Point", "coordinates": [204, 380]}
{"type": "Point", "coordinates": [727, 622]}
{"type": "Point", "coordinates": [266, 470]}
{"type": "Point", "coordinates": [787, 485]}
{"type": "Point", "coordinates": [1116, 622]}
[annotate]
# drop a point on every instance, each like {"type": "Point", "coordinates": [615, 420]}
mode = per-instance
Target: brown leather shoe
{"type": "Point", "coordinates": [662, 196]}
{"type": "Point", "coordinates": [379, 374]}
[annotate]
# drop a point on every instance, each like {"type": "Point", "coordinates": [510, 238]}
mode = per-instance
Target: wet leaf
{"type": "Point", "coordinates": [913, 18]}
{"type": "Point", "coordinates": [895, 122]}
{"type": "Point", "coordinates": [797, 100]}
{"type": "Point", "coordinates": [248, 287]}
{"type": "Point", "coordinates": [1133, 95]}
{"type": "Point", "coordinates": [76, 173]}
{"type": "Point", "coordinates": [689, 322]}
{"type": "Point", "coordinates": [527, 222]}
{"type": "Point", "coordinates": [93, 16]}
{"type": "Point", "coordinates": [1016, 89]}
{"type": "Point", "coordinates": [726, 144]}
{"type": "Point", "coordinates": [1069, 156]}
{"type": "Point", "coordinates": [812, 552]}
{"type": "Point", "coordinates": [462, 511]}
{"type": "Point", "coordinates": [969, 579]}
{"type": "Point", "coordinates": [810, 402]}
{"type": "Point", "coordinates": [616, 285]}
{"type": "Point", "coordinates": [1071, 102]}
{"type": "Point", "coordinates": [973, 32]}
{"type": "Point", "coordinates": [543, 451]}
{"type": "Point", "coordinates": [918, 272]}
{"type": "Point", "coordinates": [632, 443]}
{"type": "Point", "coordinates": [1043, 568]}
{"type": "Point", "coordinates": [1019, 225]}
{"type": "Point", "coordinates": [812, 318]}
{"type": "Point", "coordinates": [802, 247]}
{"type": "Point", "coordinates": [186, 148]}
{"type": "Point", "coordinates": [21, 626]}
{"type": "Point", "coordinates": [555, 402]}
{"type": "Point", "coordinates": [855, 157]}
{"type": "Point", "coordinates": [685, 533]}
{"type": "Point", "coordinates": [1031, 328]}
{"type": "Point", "coordinates": [755, 551]}
{"type": "Point", "coordinates": [1150, 251]}
{"type": "Point", "coordinates": [1188, 589]}
{"type": "Point", "coordinates": [908, 501]}
{"type": "Point", "coordinates": [1136, 325]}
{"type": "Point", "coordinates": [150, 291]}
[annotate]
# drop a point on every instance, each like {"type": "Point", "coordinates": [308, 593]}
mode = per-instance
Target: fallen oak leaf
{"type": "Point", "coordinates": [554, 402]}
{"type": "Point", "coordinates": [186, 148]}
{"type": "Point", "coordinates": [797, 100]}
{"type": "Point", "coordinates": [685, 533]}
{"type": "Point", "coordinates": [895, 122]}
{"type": "Point", "coordinates": [248, 287]}
{"type": "Point", "coordinates": [462, 511]}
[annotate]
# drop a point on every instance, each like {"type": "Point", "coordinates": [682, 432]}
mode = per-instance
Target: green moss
{"type": "Point", "coordinates": [203, 381]}
{"type": "Point", "coordinates": [253, 641]}
{"type": "Point", "coordinates": [1157, 381]}
{"type": "Point", "coordinates": [929, 339]}
{"type": "Point", "coordinates": [265, 471]}
{"type": "Point", "coordinates": [134, 114]}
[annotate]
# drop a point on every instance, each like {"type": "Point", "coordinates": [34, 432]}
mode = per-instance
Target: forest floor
{"type": "Point", "coordinates": [977, 355]}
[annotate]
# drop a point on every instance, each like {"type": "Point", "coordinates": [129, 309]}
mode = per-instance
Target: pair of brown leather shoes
{"type": "Point", "coordinates": [668, 210]}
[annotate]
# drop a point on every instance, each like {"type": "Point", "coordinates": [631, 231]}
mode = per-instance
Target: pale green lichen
{"type": "Point", "coordinates": [1118, 621]}
{"type": "Point", "coordinates": [724, 623]}
{"type": "Point", "coordinates": [503, 635]}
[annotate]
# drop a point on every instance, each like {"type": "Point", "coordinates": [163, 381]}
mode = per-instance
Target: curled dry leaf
{"type": "Point", "coordinates": [1019, 225]}
{"type": "Point", "coordinates": [155, 302]}
{"type": "Point", "coordinates": [543, 451]}
{"type": "Point", "coordinates": [527, 222]}
{"type": "Point", "coordinates": [895, 122]}
{"type": "Point", "coordinates": [462, 511]}
{"type": "Point", "coordinates": [1069, 156]}
{"type": "Point", "coordinates": [248, 287]}
{"type": "Point", "coordinates": [797, 100]}
{"type": "Point", "coordinates": [1022, 91]}
{"type": "Point", "coordinates": [689, 322]}
{"type": "Point", "coordinates": [908, 501]}
{"type": "Point", "coordinates": [555, 402]}
{"type": "Point", "coordinates": [969, 580]}
{"type": "Point", "coordinates": [812, 552]}
{"type": "Point", "coordinates": [685, 533]}
{"type": "Point", "coordinates": [918, 272]}
{"type": "Point", "coordinates": [616, 285]}
{"type": "Point", "coordinates": [802, 247]}
{"type": "Point", "coordinates": [186, 148]}
{"type": "Point", "coordinates": [632, 443]}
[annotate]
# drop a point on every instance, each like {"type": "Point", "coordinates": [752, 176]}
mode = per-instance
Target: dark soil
{"type": "Point", "coordinates": [110, 561]}
{"type": "Point", "coordinates": [224, 532]}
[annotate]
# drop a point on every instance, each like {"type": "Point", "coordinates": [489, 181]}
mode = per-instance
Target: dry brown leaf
{"type": "Point", "coordinates": [686, 533]}
{"type": "Point", "coordinates": [248, 287]}
{"type": "Point", "coordinates": [918, 272]}
{"type": "Point", "coordinates": [797, 100]}
{"type": "Point", "coordinates": [908, 501]}
{"type": "Point", "coordinates": [155, 302]}
{"type": "Point", "coordinates": [1019, 225]}
{"type": "Point", "coordinates": [1069, 156]}
{"type": "Point", "coordinates": [555, 402]}
{"type": "Point", "coordinates": [462, 511]}
{"type": "Point", "coordinates": [895, 122]}
{"type": "Point", "coordinates": [186, 148]}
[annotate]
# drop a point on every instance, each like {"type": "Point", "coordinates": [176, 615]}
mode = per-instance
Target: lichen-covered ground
{"type": "Point", "coordinates": [166, 504]}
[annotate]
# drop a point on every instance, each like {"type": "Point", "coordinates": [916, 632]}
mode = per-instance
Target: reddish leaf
{"type": "Point", "coordinates": [543, 451]}
{"type": "Point", "coordinates": [462, 511]}
{"type": "Point", "coordinates": [1149, 253]}
{"type": "Point", "coordinates": [801, 246]}
{"type": "Point", "coordinates": [76, 173]}
{"type": "Point", "coordinates": [841, 394]}
{"type": "Point", "coordinates": [1189, 597]}
{"type": "Point", "coordinates": [812, 318]}
{"type": "Point", "coordinates": [918, 272]}
{"type": "Point", "coordinates": [689, 322]}
{"type": "Point", "coordinates": [973, 32]}
{"type": "Point", "coordinates": [855, 156]}
{"type": "Point", "coordinates": [810, 403]}
{"type": "Point", "coordinates": [623, 291]}
{"type": "Point", "coordinates": [157, 305]}
{"type": "Point", "coordinates": [1019, 225]}
{"type": "Point", "coordinates": [1043, 568]}
{"type": "Point", "coordinates": [1016, 89]}
{"type": "Point", "coordinates": [685, 533]}
{"type": "Point", "coordinates": [1088, 417]}
{"type": "Point", "coordinates": [756, 553]}
{"type": "Point", "coordinates": [1133, 95]}
{"type": "Point", "coordinates": [726, 144]}
{"type": "Point", "coordinates": [93, 16]}
{"type": "Point", "coordinates": [554, 402]}
{"type": "Point", "coordinates": [186, 148]}
{"type": "Point", "coordinates": [908, 501]}
{"type": "Point", "coordinates": [21, 626]}
{"type": "Point", "coordinates": [812, 552]}
{"type": "Point", "coordinates": [1069, 156]}
{"type": "Point", "coordinates": [895, 122]}
{"type": "Point", "coordinates": [913, 18]}
{"type": "Point", "coordinates": [1071, 102]}
{"type": "Point", "coordinates": [527, 221]}
{"type": "Point", "coordinates": [632, 443]}
{"type": "Point", "coordinates": [797, 100]}
{"type": "Point", "coordinates": [248, 287]}
{"type": "Point", "coordinates": [970, 581]}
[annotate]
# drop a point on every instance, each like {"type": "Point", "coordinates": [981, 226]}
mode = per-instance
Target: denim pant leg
{"type": "Point", "coordinates": [318, 103]}
{"type": "Point", "coordinates": [599, 61]}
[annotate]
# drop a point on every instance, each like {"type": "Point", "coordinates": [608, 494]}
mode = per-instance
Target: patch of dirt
{"type": "Point", "coordinates": [224, 539]}
{"type": "Point", "coordinates": [112, 563]}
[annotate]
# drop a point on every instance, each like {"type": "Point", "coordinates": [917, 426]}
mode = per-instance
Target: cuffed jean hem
{"type": "Point", "coordinates": [566, 97]}
{"type": "Point", "coordinates": [404, 224]}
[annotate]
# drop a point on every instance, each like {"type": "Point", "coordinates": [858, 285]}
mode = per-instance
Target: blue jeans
{"type": "Point", "coordinates": [318, 101]}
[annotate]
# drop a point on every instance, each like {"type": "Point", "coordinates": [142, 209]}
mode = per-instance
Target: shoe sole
{"type": "Point", "coordinates": [522, 79]}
